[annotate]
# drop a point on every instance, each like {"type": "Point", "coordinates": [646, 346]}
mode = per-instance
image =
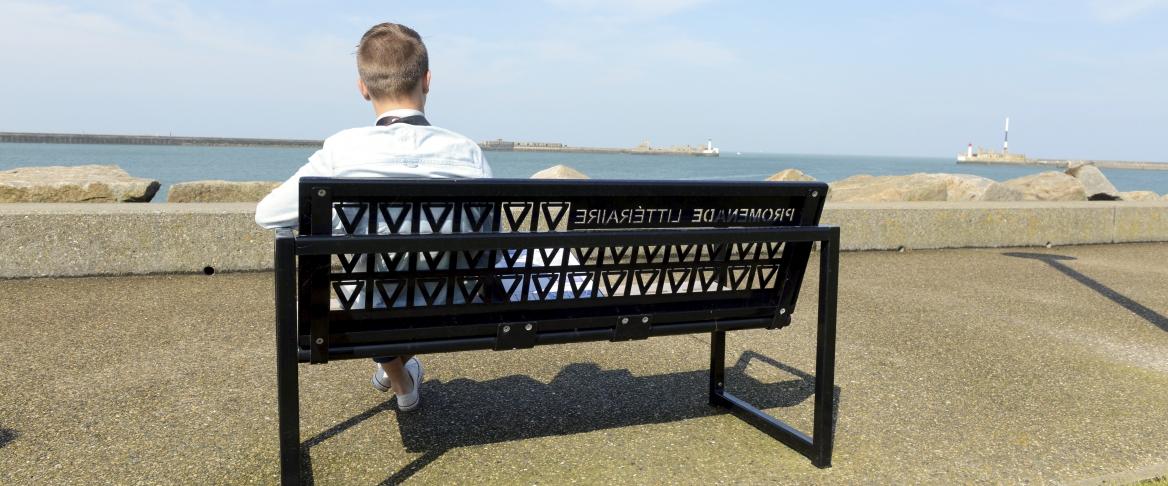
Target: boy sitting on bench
{"type": "Point", "coordinates": [394, 75]}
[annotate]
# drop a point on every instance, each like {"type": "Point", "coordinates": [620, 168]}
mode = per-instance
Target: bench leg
{"type": "Point", "coordinates": [287, 396]}
{"type": "Point", "coordinates": [287, 381]}
{"type": "Point", "coordinates": [717, 367]}
{"type": "Point", "coordinates": [818, 447]}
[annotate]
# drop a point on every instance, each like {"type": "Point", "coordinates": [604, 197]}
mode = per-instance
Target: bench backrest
{"type": "Point", "coordinates": [384, 262]}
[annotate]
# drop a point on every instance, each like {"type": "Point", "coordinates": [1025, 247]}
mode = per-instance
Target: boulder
{"type": "Point", "coordinates": [220, 191]}
{"type": "Point", "coordinates": [1049, 186]}
{"type": "Point", "coordinates": [919, 187]}
{"type": "Point", "coordinates": [1139, 196]}
{"type": "Point", "coordinates": [866, 188]}
{"type": "Point", "coordinates": [1094, 182]}
{"type": "Point", "coordinates": [82, 183]}
{"type": "Point", "coordinates": [559, 172]}
{"type": "Point", "coordinates": [966, 187]}
{"type": "Point", "coordinates": [790, 175]}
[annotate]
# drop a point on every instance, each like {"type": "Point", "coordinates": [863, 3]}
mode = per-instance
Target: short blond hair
{"type": "Point", "coordinates": [391, 60]}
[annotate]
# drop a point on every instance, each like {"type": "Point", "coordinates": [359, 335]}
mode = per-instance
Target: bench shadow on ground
{"type": "Point", "coordinates": [581, 398]}
{"type": "Point", "coordinates": [7, 436]}
{"type": "Point", "coordinates": [1056, 261]}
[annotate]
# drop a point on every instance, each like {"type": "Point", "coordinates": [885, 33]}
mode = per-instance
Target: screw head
{"type": "Point", "coordinates": [321, 192]}
{"type": "Point", "coordinates": [782, 311]}
{"type": "Point", "coordinates": [527, 327]}
{"type": "Point", "coordinates": [624, 320]}
{"type": "Point", "coordinates": [319, 340]}
{"type": "Point", "coordinates": [719, 383]}
{"type": "Point", "coordinates": [814, 193]}
{"type": "Point", "coordinates": [506, 329]}
{"type": "Point", "coordinates": [645, 320]}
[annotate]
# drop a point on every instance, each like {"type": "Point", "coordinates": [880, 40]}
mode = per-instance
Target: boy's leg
{"type": "Point", "coordinates": [394, 367]}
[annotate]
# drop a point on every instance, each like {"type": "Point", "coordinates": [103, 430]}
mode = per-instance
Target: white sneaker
{"type": "Point", "coordinates": [411, 400]}
{"type": "Point", "coordinates": [381, 380]}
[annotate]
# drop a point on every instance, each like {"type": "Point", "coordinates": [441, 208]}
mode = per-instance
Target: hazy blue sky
{"type": "Point", "coordinates": [1079, 78]}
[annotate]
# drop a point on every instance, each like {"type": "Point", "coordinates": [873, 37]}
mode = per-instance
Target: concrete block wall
{"type": "Point", "coordinates": [40, 240]}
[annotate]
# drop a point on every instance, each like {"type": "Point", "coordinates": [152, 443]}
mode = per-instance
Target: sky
{"type": "Point", "coordinates": [1078, 78]}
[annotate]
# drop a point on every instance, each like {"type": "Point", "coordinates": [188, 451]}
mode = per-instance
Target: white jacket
{"type": "Point", "coordinates": [394, 151]}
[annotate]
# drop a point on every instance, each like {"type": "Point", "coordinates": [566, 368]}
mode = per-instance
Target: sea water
{"type": "Point", "coordinates": [171, 164]}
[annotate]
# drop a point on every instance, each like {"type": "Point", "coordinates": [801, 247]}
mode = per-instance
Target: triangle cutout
{"type": "Point", "coordinates": [644, 285]}
{"type": "Point", "coordinates": [544, 283]}
{"type": "Point", "coordinates": [650, 253]}
{"type": "Point", "coordinates": [618, 256]}
{"type": "Point", "coordinates": [512, 256]}
{"type": "Point", "coordinates": [677, 279]}
{"type": "Point", "coordinates": [584, 254]}
{"type": "Point", "coordinates": [583, 285]}
{"type": "Point", "coordinates": [348, 262]}
{"type": "Point", "coordinates": [510, 283]}
{"type": "Point", "coordinates": [477, 215]}
{"type": "Point", "coordinates": [517, 213]}
{"type": "Point", "coordinates": [736, 281]}
{"type": "Point", "coordinates": [472, 257]}
{"type": "Point", "coordinates": [611, 285]}
{"type": "Point", "coordinates": [390, 290]}
{"type": "Point", "coordinates": [707, 277]}
{"type": "Point", "coordinates": [765, 274]}
{"type": "Point", "coordinates": [391, 260]}
{"type": "Point", "coordinates": [681, 252]}
{"type": "Point", "coordinates": [395, 215]}
{"type": "Point", "coordinates": [350, 225]}
{"type": "Point", "coordinates": [348, 300]}
{"type": "Point", "coordinates": [553, 213]}
{"type": "Point", "coordinates": [773, 249]}
{"type": "Point", "coordinates": [437, 220]}
{"type": "Point", "coordinates": [549, 256]}
{"type": "Point", "coordinates": [433, 258]}
{"type": "Point", "coordinates": [745, 250]}
{"type": "Point", "coordinates": [714, 252]}
{"type": "Point", "coordinates": [431, 288]}
{"type": "Point", "coordinates": [470, 288]}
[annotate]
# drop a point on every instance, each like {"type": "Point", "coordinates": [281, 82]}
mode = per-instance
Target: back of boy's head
{"type": "Point", "coordinates": [391, 60]}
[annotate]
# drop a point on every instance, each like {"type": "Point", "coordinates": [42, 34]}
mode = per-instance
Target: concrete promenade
{"type": "Point", "coordinates": [954, 366]}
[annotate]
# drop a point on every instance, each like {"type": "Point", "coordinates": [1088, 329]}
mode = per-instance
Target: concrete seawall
{"type": "Point", "coordinates": [1065, 163]}
{"type": "Point", "coordinates": [112, 239]}
{"type": "Point", "coordinates": [84, 138]}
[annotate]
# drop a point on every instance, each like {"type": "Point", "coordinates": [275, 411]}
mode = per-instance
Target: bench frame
{"type": "Point", "coordinates": [292, 349]}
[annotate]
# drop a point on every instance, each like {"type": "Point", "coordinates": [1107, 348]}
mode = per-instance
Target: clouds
{"type": "Point", "coordinates": [1121, 10]}
{"type": "Point", "coordinates": [628, 10]}
{"type": "Point", "coordinates": [901, 77]}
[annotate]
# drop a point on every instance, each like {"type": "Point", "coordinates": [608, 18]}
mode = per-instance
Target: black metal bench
{"type": "Point", "coordinates": [431, 266]}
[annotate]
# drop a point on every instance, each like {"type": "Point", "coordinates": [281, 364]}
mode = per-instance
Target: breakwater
{"type": "Point", "coordinates": [85, 138]}
{"type": "Point", "coordinates": [1064, 163]}
{"type": "Point", "coordinates": [642, 149]}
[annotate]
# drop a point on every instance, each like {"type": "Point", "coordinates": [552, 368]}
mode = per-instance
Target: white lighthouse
{"type": "Point", "coordinates": [1006, 140]}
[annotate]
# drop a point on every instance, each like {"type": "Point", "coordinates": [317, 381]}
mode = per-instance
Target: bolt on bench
{"type": "Point", "coordinates": [401, 267]}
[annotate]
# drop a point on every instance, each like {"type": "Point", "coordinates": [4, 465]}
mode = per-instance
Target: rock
{"type": "Point", "coordinates": [921, 187]}
{"type": "Point", "coordinates": [1139, 196]}
{"type": "Point", "coordinates": [1094, 182]}
{"type": "Point", "coordinates": [790, 175]}
{"type": "Point", "coordinates": [220, 191]}
{"type": "Point", "coordinates": [966, 187]}
{"type": "Point", "coordinates": [1049, 186]}
{"type": "Point", "coordinates": [866, 188]}
{"type": "Point", "coordinates": [82, 183]}
{"type": "Point", "coordinates": [559, 172]}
